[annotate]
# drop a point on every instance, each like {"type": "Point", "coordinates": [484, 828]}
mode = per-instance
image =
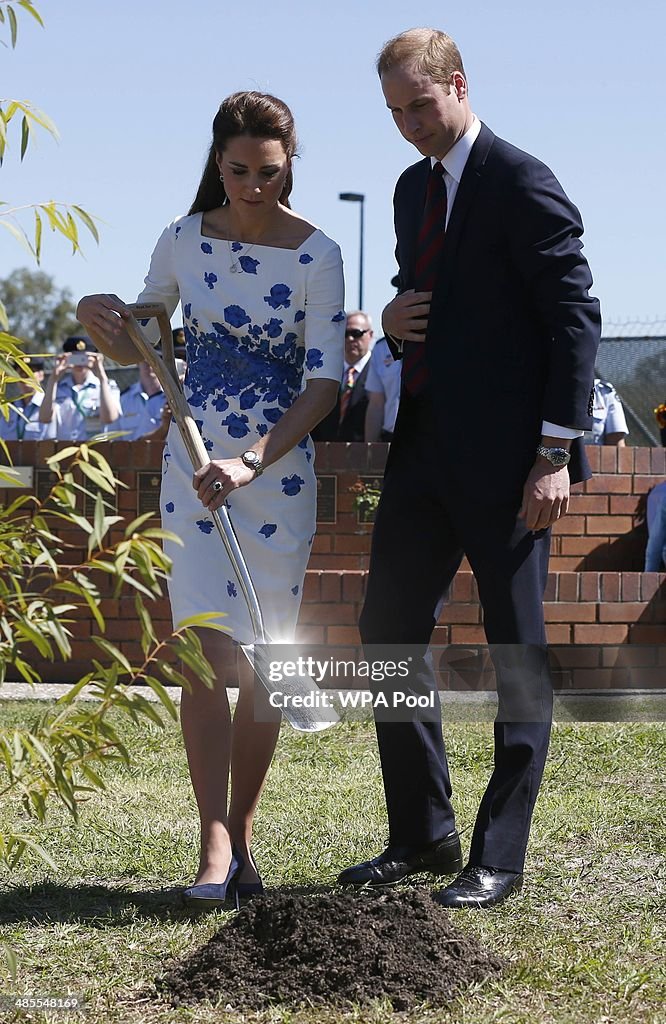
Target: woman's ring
{"type": "Point", "coordinates": [217, 486]}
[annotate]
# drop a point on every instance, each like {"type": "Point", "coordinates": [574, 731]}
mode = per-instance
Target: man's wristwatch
{"type": "Point", "coordinates": [252, 461]}
{"type": "Point", "coordinates": [556, 456]}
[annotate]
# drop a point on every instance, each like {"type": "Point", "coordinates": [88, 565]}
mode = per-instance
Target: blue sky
{"type": "Point", "coordinates": [133, 88]}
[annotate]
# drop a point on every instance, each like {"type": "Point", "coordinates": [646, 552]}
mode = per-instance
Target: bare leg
{"type": "Point", "coordinates": [252, 747]}
{"type": "Point", "coordinates": [206, 725]}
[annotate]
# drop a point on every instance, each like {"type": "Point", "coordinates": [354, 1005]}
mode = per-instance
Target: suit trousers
{"type": "Point", "coordinates": [432, 512]}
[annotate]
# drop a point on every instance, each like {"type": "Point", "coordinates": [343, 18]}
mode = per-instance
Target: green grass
{"type": "Point", "coordinates": [585, 939]}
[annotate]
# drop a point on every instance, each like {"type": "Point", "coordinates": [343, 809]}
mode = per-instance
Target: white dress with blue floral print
{"type": "Point", "coordinates": [254, 338]}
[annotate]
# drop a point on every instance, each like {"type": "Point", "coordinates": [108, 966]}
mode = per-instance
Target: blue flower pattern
{"type": "Point", "coordinates": [247, 361]}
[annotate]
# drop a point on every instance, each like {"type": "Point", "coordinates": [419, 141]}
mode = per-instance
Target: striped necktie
{"type": "Point", "coordinates": [430, 247]}
{"type": "Point", "coordinates": [347, 388]}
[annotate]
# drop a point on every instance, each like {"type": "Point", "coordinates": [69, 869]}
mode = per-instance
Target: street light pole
{"type": "Point", "coordinates": [358, 197]}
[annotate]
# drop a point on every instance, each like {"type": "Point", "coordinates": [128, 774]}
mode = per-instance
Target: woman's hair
{"type": "Point", "coordinates": [245, 113]}
{"type": "Point", "coordinates": [430, 51]}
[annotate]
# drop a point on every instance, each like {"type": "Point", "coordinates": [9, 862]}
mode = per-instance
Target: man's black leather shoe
{"type": "Point", "coordinates": [479, 887]}
{"type": "Point", "coordinates": [443, 857]}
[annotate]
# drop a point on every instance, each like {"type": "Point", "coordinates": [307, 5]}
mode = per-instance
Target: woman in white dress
{"type": "Point", "coordinates": [263, 309]}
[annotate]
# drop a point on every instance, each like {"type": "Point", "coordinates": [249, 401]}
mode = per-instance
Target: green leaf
{"type": "Point", "coordinates": [10, 957]}
{"type": "Point", "coordinates": [25, 135]}
{"type": "Point", "coordinates": [27, 6]}
{"type": "Point", "coordinates": [87, 220]}
{"type": "Point", "coordinates": [96, 476]}
{"type": "Point", "coordinates": [18, 233]}
{"type": "Point", "coordinates": [12, 24]}
{"type": "Point", "coordinates": [38, 235]}
{"type": "Point", "coordinates": [4, 322]}
{"type": "Point", "coordinates": [113, 652]}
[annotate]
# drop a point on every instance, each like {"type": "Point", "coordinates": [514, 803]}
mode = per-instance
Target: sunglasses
{"type": "Point", "coordinates": [355, 334]}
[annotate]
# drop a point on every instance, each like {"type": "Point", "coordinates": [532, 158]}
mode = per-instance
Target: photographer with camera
{"type": "Point", "coordinates": [86, 401]}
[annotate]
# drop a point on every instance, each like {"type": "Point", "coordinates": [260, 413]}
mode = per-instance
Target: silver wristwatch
{"type": "Point", "coordinates": [252, 461]}
{"type": "Point", "coordinates": [556, 456]}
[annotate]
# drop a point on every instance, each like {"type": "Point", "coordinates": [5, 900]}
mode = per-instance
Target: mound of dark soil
{"type": "Point", "coordinates": [333, 950]}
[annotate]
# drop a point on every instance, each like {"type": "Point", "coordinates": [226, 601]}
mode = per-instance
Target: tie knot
{"type": "Point", "coordinates": [438, 169]}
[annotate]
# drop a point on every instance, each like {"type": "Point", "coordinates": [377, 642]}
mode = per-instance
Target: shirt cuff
{"type": "Point", "coordinates": [553, 430]}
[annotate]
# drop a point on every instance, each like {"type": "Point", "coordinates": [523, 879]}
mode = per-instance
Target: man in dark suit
{"type": "Point", "coordinates": [494, 302]}
{"type": "Point", "coordinates": [346, 421]}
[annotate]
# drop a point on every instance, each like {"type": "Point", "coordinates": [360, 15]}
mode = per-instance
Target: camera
{"type": "Point", "coordinates": [77, 359]}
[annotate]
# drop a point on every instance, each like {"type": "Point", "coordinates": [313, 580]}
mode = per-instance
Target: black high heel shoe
{"type": "Point", "coordinates": [246, 890]}
{"type": "Point", "coordinates": [215, 894]}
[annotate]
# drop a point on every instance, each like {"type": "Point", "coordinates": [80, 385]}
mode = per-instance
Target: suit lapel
{"type": "Point", "coordinates": [469, 183]}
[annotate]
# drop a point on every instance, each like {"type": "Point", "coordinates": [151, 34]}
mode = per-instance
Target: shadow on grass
{"type": "Point", "coordinates": [106, 906]}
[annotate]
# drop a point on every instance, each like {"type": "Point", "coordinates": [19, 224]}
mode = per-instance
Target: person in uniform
{"type": "Point", "coordinates": [23, 421]}
{"type": "Point", "coordinates": [383, 389]}
{"type": "Point", "coordinates": [610, 423]}
{"type": "Point", "coordinates": [142, 404]}
{"type": "Point", "coordinates": [87, 402]}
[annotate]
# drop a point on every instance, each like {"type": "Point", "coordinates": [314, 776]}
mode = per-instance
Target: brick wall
{"type": "Point", "coordinates": [596, 593]}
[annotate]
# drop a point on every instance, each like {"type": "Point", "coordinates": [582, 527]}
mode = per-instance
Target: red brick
{"type": "Point", "coordinates": [574, 525]}
{"type": "Point", "coordinates": [312, 586]}
{"type": "Point", "coordinates": [342, 635]}
{"type": "Point", "coordinates": [609, 484]}
{"type": "Point", "coordinates": [468, 635]}
{"type": "Point", "coordinates": [608, 525]}
{"type": "Point", "coordinates": [331, 586]}
{"type": "Point", "coordinates": [568, 586]}
{"type": "Point", "coordinates": [625, 460]}
{"type": "Point", "coordinates": [593, 453]}
{"type": "Point", "coordinates": [601, 634]}
{"type": "Point", "coordinates": [608, 459]}
{"type": "Point", "coordinates": [348, 544]}
{"type": "Point", "coordinates": [647, 678]}
{"type": "Point", "coordinates": [631, 586]}
{"type": "Point", "coordinates": [464, 587]}
{"type": "Point", "coordinates": [329, 615]}
{"type": "Point", "coordinates": [575, 657]}
{"type": "Point", "coordinates": [642, 461]}
{"type": "Point", "coordinates": [353, 586]}
{"type": "Point", "coordinates": [588, 504]}
{"type": "Point", "coordinates": [550, 593]}
{"type": "Point", "coordinates": [331, 561]}
{"type": "Point", "coordinates": [581, 545]}
{"type": "Point", "coordinates": [623, 504]}
{"type": "Point", "coordinates": [651, 584]}
{"type": "Point", "coordinates": [566, 611]}
{"type": "Point", "coordinates": [470, 613]}
{"type": "Point", "coordinates": [645, 483]}
{"type": "Point", "coordinates": [310, 634]}
{"type": "Point", "coordinates": [630, 656]}
{"type": "Point", "coordinates": [440, 635]}
{"type": "Point", "coordinates": [610, 586]}
{"type": "Point", "coordinates": [599, 678]}
{"type": "Point", "coordinates": [568, 565]}
{"type": "Point", "coordinates": [642, 633]}
{"type": "Point", "coordinates": [558, 633]}
{"type": "Point", "coordinates": [621, 611]}
{"type": "Point", "coordinates": [658, 461]}
{"type": "Point", "coordinates": [321, 543]}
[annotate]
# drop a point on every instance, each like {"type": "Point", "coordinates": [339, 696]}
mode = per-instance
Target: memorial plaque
{"type": "Point", "coordinates": [110, 501]}
{"type": "Point", "coordinates": [148, 493]}
{"type": "Point", "coordinates": [44, 481]}
{"type": "Point", "coordinates": [327, 499]}
{"type": "Point", "coordinates": [365, 515]}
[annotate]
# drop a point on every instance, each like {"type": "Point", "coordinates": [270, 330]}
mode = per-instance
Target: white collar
{"type": "Point", "coordinates": [361, 363]}
{"type": "Point", "coordinates": [456, 158]}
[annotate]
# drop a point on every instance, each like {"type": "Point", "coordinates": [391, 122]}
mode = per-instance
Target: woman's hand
{"type": "Point", "coordinates": [230, 473]}
{"type": "Point", "coordinates": [61, 367]}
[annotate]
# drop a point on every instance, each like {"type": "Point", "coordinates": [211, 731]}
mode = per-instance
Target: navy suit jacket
{"type": "Point", "coordinates": [513, 331]}
{"type": "Point", "coordinates": [352, 427]}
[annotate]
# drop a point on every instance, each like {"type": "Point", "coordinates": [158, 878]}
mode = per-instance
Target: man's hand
{"type": "Point", "coordinates": [406, 316]}
{"type": "Point", "coordinates": [96, 364]}
{"type": "Point", "coordinates": [545, 495]}
{"type": "Point", "coordinates": [61, 368]}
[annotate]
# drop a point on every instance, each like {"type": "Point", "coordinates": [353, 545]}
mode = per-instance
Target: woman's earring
{"type": "Point", "coordinates": [221, 177]}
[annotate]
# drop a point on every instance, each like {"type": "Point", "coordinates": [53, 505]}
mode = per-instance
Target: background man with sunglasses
{"type": "Point", "coordinates": [346, 422]}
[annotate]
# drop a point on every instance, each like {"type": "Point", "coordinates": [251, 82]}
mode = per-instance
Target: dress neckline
{"type": "Point", "coordinates": [255, 245]}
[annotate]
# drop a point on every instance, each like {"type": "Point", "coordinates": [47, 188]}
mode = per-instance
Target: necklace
{"type": "Point", "coordinates": [234, 265]}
